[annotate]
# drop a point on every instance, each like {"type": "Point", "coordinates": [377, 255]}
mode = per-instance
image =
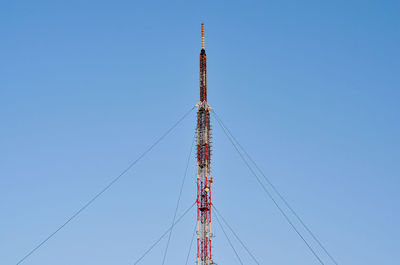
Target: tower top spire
{"type": "Point", "coordinates": [202, 36]}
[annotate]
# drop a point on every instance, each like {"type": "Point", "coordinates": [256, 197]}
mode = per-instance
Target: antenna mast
{"type": "Point", "coordinates": [204, 178]}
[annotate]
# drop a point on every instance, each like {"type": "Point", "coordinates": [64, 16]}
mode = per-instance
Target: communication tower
{"type": "Point", "coordinates": [204, 178]}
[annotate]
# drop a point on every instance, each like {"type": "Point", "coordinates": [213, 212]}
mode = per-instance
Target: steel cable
{"type": "Point", "coordinates": [237, 237]}
{"type": "Point", "coordinates": [269, 194]}
{"type": "Point", "coordinates": [191, 244]}
{"type": "Point", "coordinates": [279, 194]}
{"type": "Point", "coordinates": [227, 238]}
{"type": "Point", "coordinates": [179, 198]}
{"type": "Point", "coordinates": [105, 188]}
{"type": "Point", "coordinates": [163, 235]}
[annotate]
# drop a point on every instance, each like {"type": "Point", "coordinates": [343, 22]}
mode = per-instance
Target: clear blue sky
{"type": "Point", "coordinates": [310, 88]}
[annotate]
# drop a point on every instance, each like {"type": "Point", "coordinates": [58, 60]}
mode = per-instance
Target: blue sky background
{"type": "Point", "coordinates": [310, 88]}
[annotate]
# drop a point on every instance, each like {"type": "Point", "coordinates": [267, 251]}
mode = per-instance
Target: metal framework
{"type": "Point", "coordinates": [204, 178]}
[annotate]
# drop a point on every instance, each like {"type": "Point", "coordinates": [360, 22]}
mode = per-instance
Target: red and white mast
{"type": "Point", "coordinates": [204, 178]}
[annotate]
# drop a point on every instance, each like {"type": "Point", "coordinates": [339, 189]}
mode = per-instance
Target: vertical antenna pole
{"type": "Point", "coordinates": [202, 36]}
{"type": "Point", "coordinates": [204, 178]}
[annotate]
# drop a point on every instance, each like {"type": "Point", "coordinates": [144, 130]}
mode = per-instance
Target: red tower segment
{"type": "Point", "coordinates": [204, 178]}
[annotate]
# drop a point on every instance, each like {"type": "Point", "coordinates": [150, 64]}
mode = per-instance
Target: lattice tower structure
{"type": "Point", "coordinates": [204, 178]}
